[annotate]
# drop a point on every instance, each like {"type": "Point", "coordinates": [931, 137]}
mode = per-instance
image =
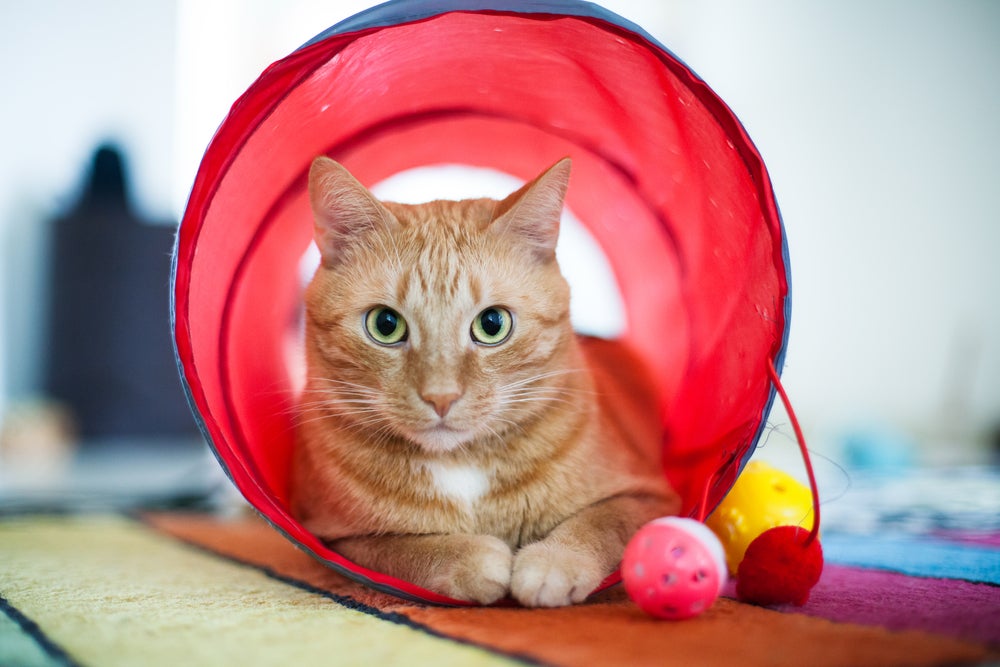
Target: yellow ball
{"type": "Point", "coordinates": [762, 497]}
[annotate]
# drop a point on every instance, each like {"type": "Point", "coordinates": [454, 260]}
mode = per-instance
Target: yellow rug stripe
{"type": "Point", "coordinates": [111, 592]}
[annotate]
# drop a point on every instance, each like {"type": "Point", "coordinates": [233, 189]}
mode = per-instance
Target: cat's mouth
{"type": "Point", "coordinates": [442, 438]}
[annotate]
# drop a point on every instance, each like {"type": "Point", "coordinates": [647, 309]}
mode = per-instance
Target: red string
{"type": "Point", "coordinates": [703, 506]}
{"type": "Point", "coordinates": [802, 447]}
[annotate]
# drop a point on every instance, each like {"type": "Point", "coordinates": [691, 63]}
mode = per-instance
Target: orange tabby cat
{"type": "Point", "coordinates": [454, 432]}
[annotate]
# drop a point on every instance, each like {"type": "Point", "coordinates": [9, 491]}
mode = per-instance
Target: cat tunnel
{"type": "Point", "coordinates": [664, 178]}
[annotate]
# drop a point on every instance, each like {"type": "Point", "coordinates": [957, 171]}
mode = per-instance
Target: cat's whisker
{"type": "Point", "coordinates": [367, 416]}
{"type": "Point", "coordinates": [380, 435]}
{"type": "Point", "coordinates": [342, 386]}
{"type": "Point", "coordinates": [349, 401]}
{"type": "Point", "coordinates": [539, 391]}
{"type": "Point", "coordinates": [495, 433]}
{"type": "Point", "coordinates": [570, 392]}
{"type": "Point", "coordinates": [336, 380]}
{"type": "Point", "coordinates": [510, 424]}
{"type": "Point", "coordinates": [302, 422]}
{"type": "Point", "coordinates": [342, 398]}
{"type": "Point", "coordinates": [347, 390]}
{"type": "Point", "coordinates": [359, 412]}
{"type": "Point", "coordinates": [292, 410]}
{"type": "Point", "coordinates": [543, 394]}
{"type": "Point", "coordinates": [334, 403]}
{"type": "Point", "coordinates": [536, 401]}
{"type": "Point", "coordinates": [547, 388]}
{"type": "Point", "coordinates": [371, 426]}
{"type": "Point", "coordinates": [338, 408]}
{"type": "Point", "coordinates": [337, 391]}
{"type": "Point", "coordinates": [326, 408]}
{"type": "Point", "coordinates": [538, 378]}
{"type": "Point", "coordinates": [538, 398]}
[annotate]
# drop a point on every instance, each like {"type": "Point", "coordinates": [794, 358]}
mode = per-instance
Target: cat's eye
{"type": "Point", "coordinates": [492, 326]}
{"type": "Point", "coordinates": [385, 326]}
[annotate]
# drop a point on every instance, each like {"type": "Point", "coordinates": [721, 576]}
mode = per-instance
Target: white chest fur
{"type": "Point", "coordinates": [463, 484]}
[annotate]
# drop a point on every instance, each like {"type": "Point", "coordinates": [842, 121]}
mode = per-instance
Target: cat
{"type": "Point", "coordinates": [454, 431]}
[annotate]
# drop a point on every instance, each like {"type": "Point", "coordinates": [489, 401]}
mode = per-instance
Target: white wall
{"type": "Point", "coordinates": [878, 122]}
{"type": "Point", "coordinates": [74, 74]}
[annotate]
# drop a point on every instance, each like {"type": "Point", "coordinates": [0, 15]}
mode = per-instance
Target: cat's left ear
{"type": "Point", "coordinates": [532, 213]}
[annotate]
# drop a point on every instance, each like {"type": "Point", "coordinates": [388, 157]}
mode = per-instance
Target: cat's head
{"type": "Point", "coordinates": [447, 323]}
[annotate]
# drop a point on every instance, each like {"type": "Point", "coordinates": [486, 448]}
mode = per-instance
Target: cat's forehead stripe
{"type": "Point", "coordinates": [440, 269]}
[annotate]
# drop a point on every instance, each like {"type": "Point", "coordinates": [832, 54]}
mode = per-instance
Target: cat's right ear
{"type": "Point", "coordinates": [532, 213]}
{"type": "Point", "coordinates": [342, 208]}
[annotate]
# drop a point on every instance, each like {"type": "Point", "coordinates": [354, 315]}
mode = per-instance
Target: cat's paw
{"type": "Point", "coordinates": [479, 570]}
{"type": "Point", "coordinates": [550, 575]}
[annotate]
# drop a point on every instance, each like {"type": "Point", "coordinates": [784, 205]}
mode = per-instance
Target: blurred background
{"type": "Point", "coordinates": [878, 122]}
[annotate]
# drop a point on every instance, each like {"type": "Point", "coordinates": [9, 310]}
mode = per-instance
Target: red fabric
{"type": "Point", "coordinates": [664, 178]}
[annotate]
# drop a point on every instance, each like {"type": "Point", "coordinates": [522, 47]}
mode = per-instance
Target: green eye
{"type": "Point", "coordinates": [385, 326]}
{"type": "Point", "coordinates": [492, 326]}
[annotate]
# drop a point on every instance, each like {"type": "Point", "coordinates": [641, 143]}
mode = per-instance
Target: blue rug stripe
{"type": "Point", "coordinates": [915, 556]}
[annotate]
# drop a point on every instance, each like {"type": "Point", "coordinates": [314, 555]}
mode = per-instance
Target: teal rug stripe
{"type": "Point", "coordinates": [23, 644]}
{"type": "Point", "coordinates": [915, 556]}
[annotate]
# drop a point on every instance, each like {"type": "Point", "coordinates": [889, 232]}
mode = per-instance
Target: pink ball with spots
{"type": "Point", "coordinates": [674, 568]}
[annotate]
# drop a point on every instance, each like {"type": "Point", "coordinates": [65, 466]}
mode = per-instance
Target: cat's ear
{"type": "Point", "coordinates": [532, 213]}
{"type": "Point", "coordinates": [342, 208]}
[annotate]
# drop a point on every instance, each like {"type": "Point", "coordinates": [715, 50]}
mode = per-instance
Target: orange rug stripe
{"type": "Point", "coordinates": [609, 630]}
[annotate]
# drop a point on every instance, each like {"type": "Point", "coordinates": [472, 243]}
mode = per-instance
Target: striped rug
{"type": "Point", "coordinates": [175, 589]}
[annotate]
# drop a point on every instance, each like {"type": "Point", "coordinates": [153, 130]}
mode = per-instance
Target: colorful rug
{"type": "Point", "coordinates": [176, 589]}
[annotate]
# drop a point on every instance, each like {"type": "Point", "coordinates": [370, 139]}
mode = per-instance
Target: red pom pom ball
{"type": "Point", "coordinates": [780, 566]}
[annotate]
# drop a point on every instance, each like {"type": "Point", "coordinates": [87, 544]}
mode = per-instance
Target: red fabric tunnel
{"type": "Point", "coordinates": [664, 178]}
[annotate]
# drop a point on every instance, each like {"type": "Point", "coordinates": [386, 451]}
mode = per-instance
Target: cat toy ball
{"type": "Point", "coordinates": [665, 179]}
{"type": "Point", "coordinates": [674, 568]}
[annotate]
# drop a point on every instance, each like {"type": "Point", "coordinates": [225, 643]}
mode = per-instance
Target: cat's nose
{"type": "Point", "coordinates": [441, 402]}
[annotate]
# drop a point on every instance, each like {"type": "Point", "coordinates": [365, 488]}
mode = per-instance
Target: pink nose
{"type": "Point", "coordinates": [441, 402]}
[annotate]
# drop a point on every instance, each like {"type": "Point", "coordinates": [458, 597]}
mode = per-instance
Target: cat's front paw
{"type": "Point", "coordinates": [551, 575]}
{"type": "Point", "coordinates": [478, 570]}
